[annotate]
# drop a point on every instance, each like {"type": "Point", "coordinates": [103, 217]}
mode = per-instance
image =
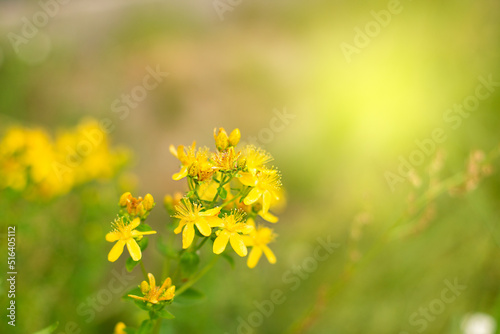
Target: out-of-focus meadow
{"type": "Point", "coordinates": [345, 96]}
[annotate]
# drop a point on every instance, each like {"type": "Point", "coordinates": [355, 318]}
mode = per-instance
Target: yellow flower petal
{"type": "Point", "coordinates": [152, 281]}
{"type": "Point", "coordinates": [238, 245]}
{"type": "Point", "coordinates": [214, 221]}
{"type": "Point", "coordinates": [248, 179]}
{"type": "Point", "coordinates": [269, 254]}
{"type": "Point", "coordinates": [116, 251]}
{"type": "Point", "coordinates": [112, 236]}
{"type": "Point", "coordinates": [211, 212]}
{"type": "Point", "coordinates": [243, 228]}
{"type": "Point", "coordinates": [254, 257]}
{"type": "Point", "coordinates": [220, 242]}
{"type": "Point", "coordinates": [266, 201]}
{"type": "Point", "coordinates": [203, 227]}
{"type": "Point", "coordinates": [136, 222]}
{"type": "Point", "coordinates": [138, 233]}
{"type": "Point", "coordinates": [182, 174]}
{"type": "Point", "coordinates": [134, 249]}
{"type": "Point", "coordinates": [187, 235]}
{"type": "Point", "coordinates": [247, 240]}
{"type": "Point", "coordinates": [178, 229]}
{"type": "Point", "coordinates": [268, 216]}
{"type": "Point", "coordinates": [173, 150]}
{"type": "Point", "coordinates": [253, 196]}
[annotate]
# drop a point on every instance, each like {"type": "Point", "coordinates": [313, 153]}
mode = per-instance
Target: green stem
{"type": "Point", "coordinates": [197, 277]}
{"type": "Point", "coordinates": [144, 272]}
{"type": "Point", "coordinates": [157, 326]}
{"type": "Point", "coordinates": [201, 243]}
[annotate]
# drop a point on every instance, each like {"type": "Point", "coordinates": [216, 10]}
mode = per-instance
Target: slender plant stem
{"type": "Point", "coordinates": [196, 277]}
{"type": "Point", "coordinates": [157, 326]}
{"type": "Point", "coordinates": [350, 269]}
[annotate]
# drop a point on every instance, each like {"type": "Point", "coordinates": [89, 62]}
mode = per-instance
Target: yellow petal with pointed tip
{"type": "Point", "coordinates": [253, 196]}
{"type": "Point", "coordinates": [187, 235]}
{"type": "Point", "coordinates": [182, 174]}
{"type": "Point", "coordinates": [211, 212]}
{"type": "Point", "coordinates": [238, 245]}
{"type": "Point", "coordinates": [268, 216]}
{"type": "Point", "coordinates": [220, 242]}
{"type": "Point", "coordinates": [254, 257]}
{"type": "Point", "coordinates": [116, 251]}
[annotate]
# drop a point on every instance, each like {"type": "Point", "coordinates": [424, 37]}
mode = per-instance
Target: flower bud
{"type": "Point", "coordinates": [221, 139]}
{"type": "Point", "coordinates": [148, 202]}
{"type": "Point", "coordinates": [125, 198]}
{"type": "Point", "coordinates": [120, 328]}
{"type": "Point", "coordinates": [170, 293]}
{"type": "Point", "coordinates": [234, 137]}
{"type": "Point", "coordinates": [144, 287]}
{"type": "Point", "coordinates": [242, 163]}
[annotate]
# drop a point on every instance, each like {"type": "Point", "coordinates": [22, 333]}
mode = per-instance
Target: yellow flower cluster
{"type": "Point", "coordinates": [127, 228]}
{"type": "Point", "coordinates": [155, 294]}
{"type": "Point", "coordinates": [37, 165]}
{"type": "Point", "coordinates": [228, 189]}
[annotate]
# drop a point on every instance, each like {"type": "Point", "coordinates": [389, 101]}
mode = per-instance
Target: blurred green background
{"type": "Point", "coordinates": [335, 123]}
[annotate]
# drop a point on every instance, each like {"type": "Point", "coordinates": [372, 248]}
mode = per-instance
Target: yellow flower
{"type": "Point", "coordinates": [186, 157]}
{"type": "Point", "coordinates": [119, 328]}
{"type": "Point", "coordinates": [125, 234]}
{"type": "Point", "coordinates": [194, 163]}
{"type": "Point", "coordinates": [137, 206]}
{"type": "Point", "coordinates": [255, 158]}
{"type": "Point", "coordinates": [268, 216]}
{"type": "Point", "coordinates": [154, 294]}
{"type": "Point", "coordinates": [190, 215]}
{"type": "Point", "coordinates": [202, 168]}
{"type": "Point", "coordinates": [267, 185]}
{"type": "Point", "coordinates": [226, 160]}
{"type": "Point", "coordinates": [258, 240]}
{"type": "Point", "coordinates": [232, 225]}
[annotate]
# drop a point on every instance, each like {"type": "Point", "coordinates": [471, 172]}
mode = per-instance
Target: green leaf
{"type": "Point", "coordinates": [142, 305]}
{"type": "Point", "coordinates": [146, 327]}
{"type": "Point", "coordinates": [135, 292]}
{"type": "Point", "coordinates": [229, 259]}
{"type": "Point", "coordinates": [144, 227]}
{"type": "Point", "coordinates": [189, 263]}
{"type": "Point", "coordinates": [130, 264]}
{"type": "Point", "coordinates": [165, 314]}
{"type": "Point", "coordinates": [143, 243]}
{"type": "Point", "coordinates": [49, 329]}
{"type": "Point", "coordinates": [189, 297]}
{"type": "Point", "coordinates": [222, 192]}
{"type": "Point", "coordinates": [130, 330]}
